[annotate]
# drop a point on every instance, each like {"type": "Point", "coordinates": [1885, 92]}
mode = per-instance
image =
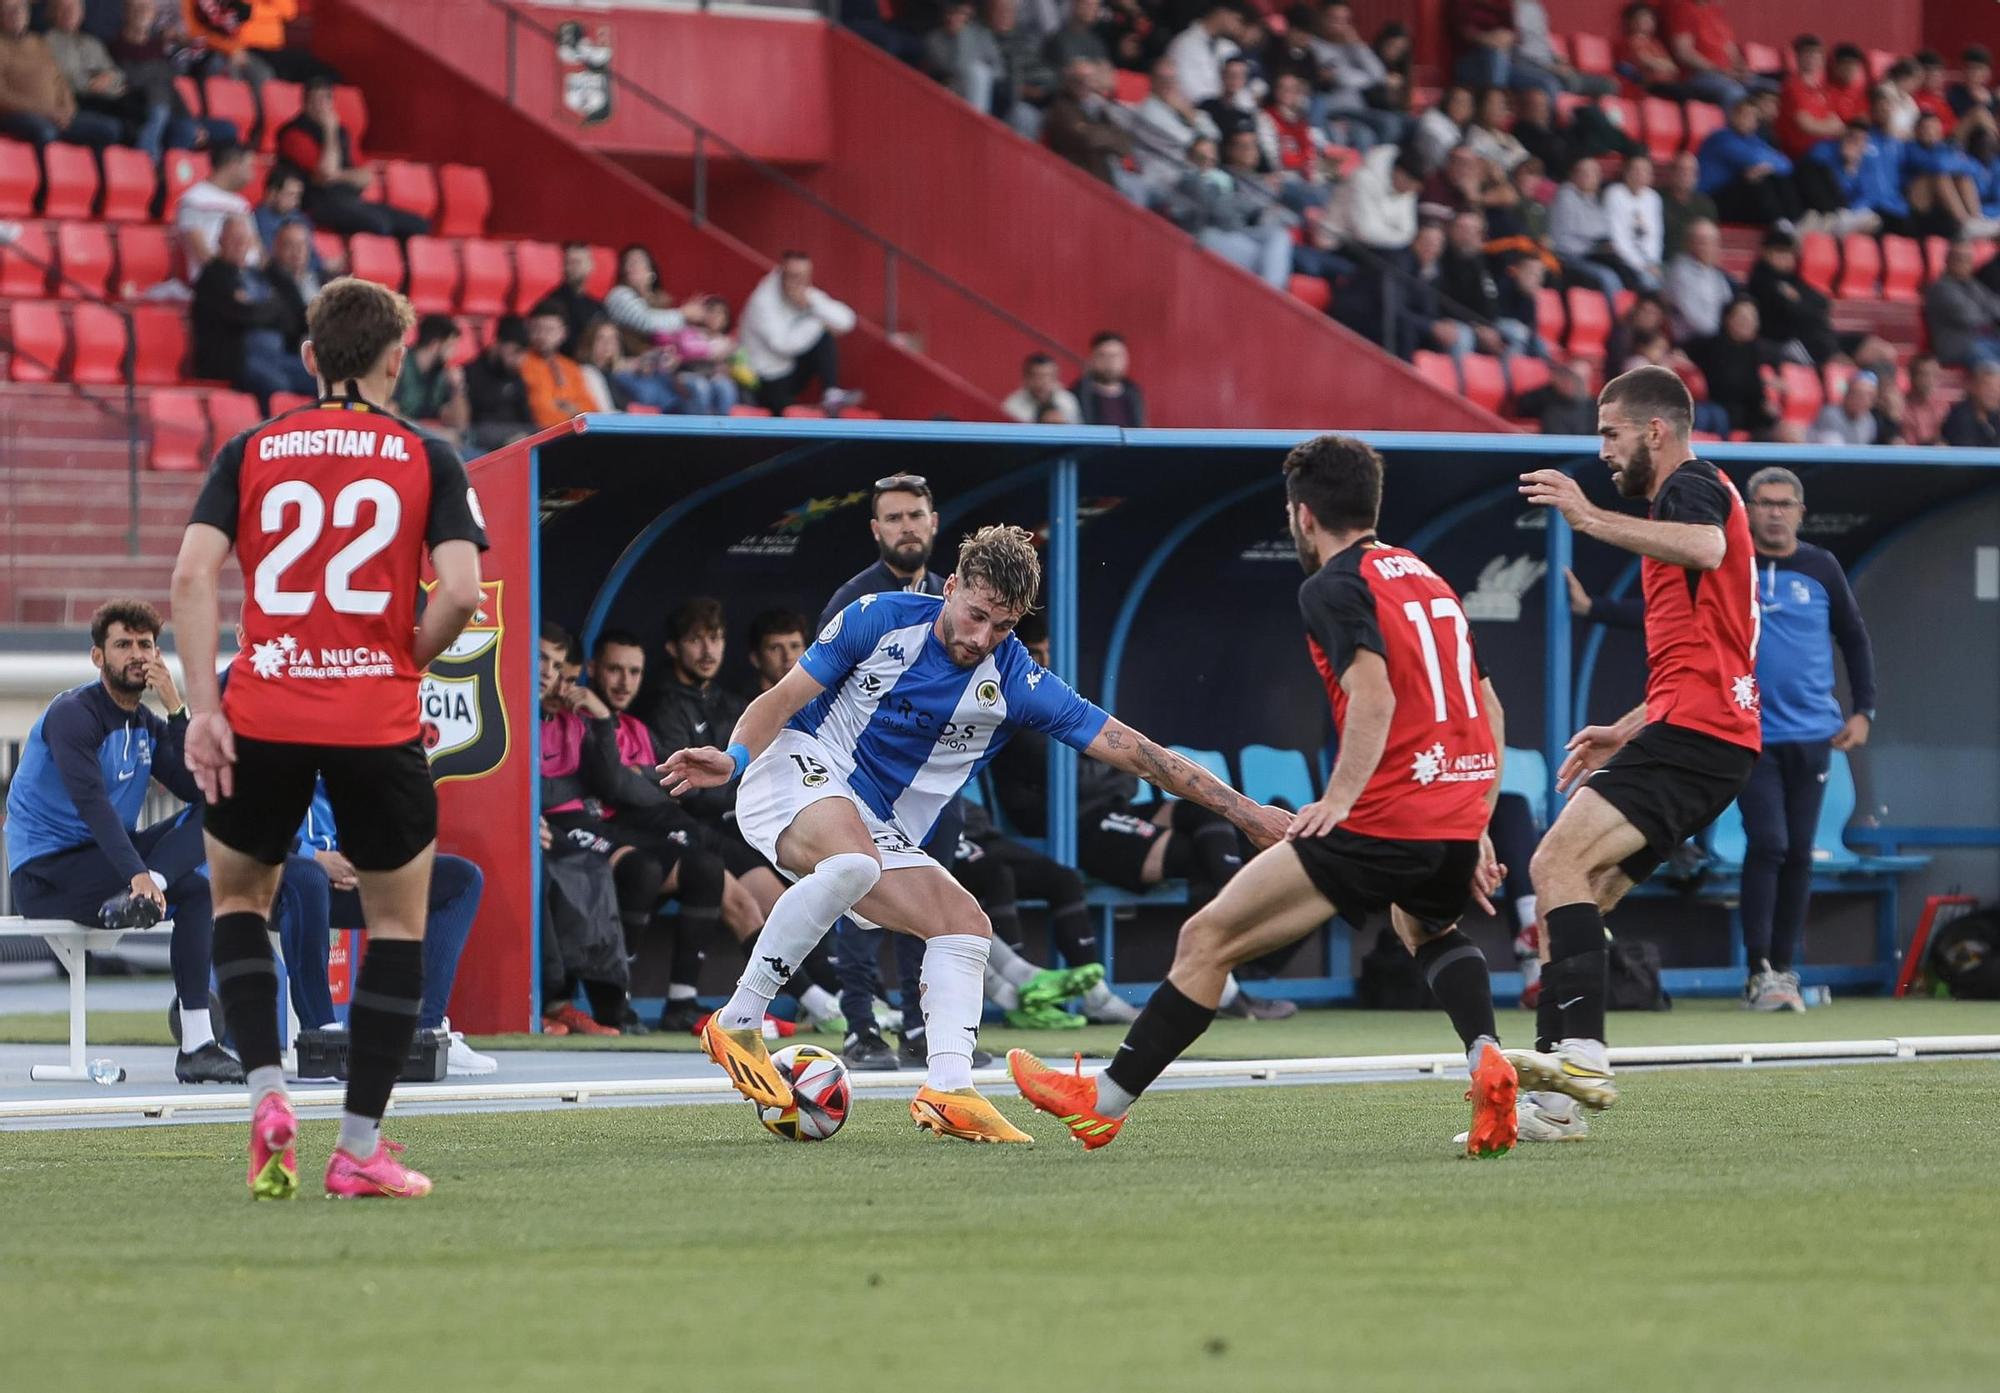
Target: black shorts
{"type": "Point", "coordinates": [584, 829]}
{"type": "Point", "coordinates": [1670, 782]}
{"type": "Point", "coordinates": [739, 858]}
{"type": "Point", "coordinates": [384, 802]}
{"type": "Point", "coordinates": [1113, 844]}
{"type": "Point", "coordinates": [1361, 875]}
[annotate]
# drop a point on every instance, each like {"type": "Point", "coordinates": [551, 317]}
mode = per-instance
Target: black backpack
{"type": "Point", "coordinates": [1635, 978]}
{"type": "Point", "coordinates": [1965, 956]}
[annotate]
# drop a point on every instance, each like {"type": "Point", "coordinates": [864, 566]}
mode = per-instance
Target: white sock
{"type": "Point", "coordinates": [1099, 995]}
{"type": "Point", "coordinates": [1000, 991]}
{"type": "Point", "coordinates": [681, 991]}
{"type": "Point", "coordinates": [265, 1080]}
{"type": "Point", "coordinates": [1524, 910]}
{"type": "Point", "coordinates": [359, 1136]}
{"type": "Point", "coordinates": [819, 1003]}
{"type": "Point", "coordinates": [195, 1030]}
{"type": "Point", "coordinates": [1009, 964]}
{"type": "Point", "coordinates": [1112, 1101]}
{"type": "Point", "coordinates": [1230, 991]}
{"type": "Point", "coordinates": [798, 921]}
{"type": "Point", "coordinates": [954, 970]}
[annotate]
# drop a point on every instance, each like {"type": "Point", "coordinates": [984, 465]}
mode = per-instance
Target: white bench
{"type": "Point", "coordinates": [70, 942]}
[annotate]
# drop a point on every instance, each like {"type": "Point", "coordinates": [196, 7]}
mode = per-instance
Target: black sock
{"type": "Point", "coordinates": [699, 891]}
{"type": "Point", "coordinates": [819, 969]}
{"type": "Point", "coordinates": [1076, 935]}
{"type": "Point", "coordinates": [1169, 1024]}
{"type": "Point", "coordinates": [381, 1022]}
{"type": "Point", "coordinates": [247, 978]}
{"type": "Point", "coordinates": [636, 880]}
{"type": "Point", "coordinates": [1548, 1018]}
{"type": "Point", "coordinates": [607, 1002]}
{"type": "Point", "coordinates": [1577, 976]}
{"type": "Point", "coordinates": [1456, 970]}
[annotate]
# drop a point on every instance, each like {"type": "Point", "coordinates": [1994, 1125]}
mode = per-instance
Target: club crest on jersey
{"type": "Point", "coordinates": [832, 629]}
{"type": "Point", "coordinates": [987, 693]}
{"type": "Point", "coordinates": [464, 720]}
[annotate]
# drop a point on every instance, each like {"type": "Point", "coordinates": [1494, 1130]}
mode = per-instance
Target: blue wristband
{"type": "Point", "coordinates": [739, 755]}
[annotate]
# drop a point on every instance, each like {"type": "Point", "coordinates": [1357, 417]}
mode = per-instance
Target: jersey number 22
{"type": "Point", "coordinates": [268, 586]}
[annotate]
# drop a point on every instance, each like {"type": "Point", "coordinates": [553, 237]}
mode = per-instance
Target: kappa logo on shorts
{"type": "Point", "coordinates": [464, 720]}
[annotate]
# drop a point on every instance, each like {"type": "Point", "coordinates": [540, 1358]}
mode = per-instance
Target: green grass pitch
{"type": "Point", "coordinates": [1758, 1229]}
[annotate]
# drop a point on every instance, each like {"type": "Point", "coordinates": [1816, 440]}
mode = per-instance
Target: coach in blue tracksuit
{"type": "Point", "coordinates": [1807, 607]}
{"type": "Point", "coordinates": [73, 836]}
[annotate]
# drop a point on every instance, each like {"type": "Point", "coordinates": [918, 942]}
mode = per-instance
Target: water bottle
{"type": "Point", "coordinates": [105, 1072]}
{"type": "Point", "coordinates": [1818, 996]}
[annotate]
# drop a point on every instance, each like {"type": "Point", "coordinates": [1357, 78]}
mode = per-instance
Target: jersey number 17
{"type": "Point", "coordinates": [1444, 607]}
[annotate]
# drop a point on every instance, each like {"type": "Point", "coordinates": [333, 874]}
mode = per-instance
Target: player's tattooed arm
{"type": "Point", "coordinates": [1122, 747]}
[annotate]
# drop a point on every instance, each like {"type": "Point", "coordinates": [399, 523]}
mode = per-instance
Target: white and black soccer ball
{"type": "Point", "coordinates": [821, 1094]}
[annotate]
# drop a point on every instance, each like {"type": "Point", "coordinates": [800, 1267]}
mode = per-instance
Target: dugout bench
{"type": "Point", "coordinates": [72, 943]}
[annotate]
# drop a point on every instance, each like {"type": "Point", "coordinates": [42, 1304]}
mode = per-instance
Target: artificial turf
{"type": "Point", "coordinates": [1769, 1229]}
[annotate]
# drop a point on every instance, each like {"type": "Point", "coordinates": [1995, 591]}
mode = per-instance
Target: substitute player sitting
{"type": "Point", "coordinates": [1401, 826]}
{"type": "Point", "coordinates": [848, 761]}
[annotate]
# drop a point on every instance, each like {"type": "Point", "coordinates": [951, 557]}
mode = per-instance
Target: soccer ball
{"type": "Point", "coordinates": [820, 1094]}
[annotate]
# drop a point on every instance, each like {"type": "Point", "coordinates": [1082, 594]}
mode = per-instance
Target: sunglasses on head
{"type": "Point", "coordinates": [903, 483]}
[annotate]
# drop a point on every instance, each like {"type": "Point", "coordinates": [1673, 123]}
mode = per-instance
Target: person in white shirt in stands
{"type": "Point", "coordinates": [205, 207]}
{"type": "Point", "coordinates": [1041, 388]}
{"type": "Point", "coordinates": [1638, 222]}
{"type": "Point", "coordinates": [1199, 49]}
{"type": "Point", "coordinates": [1851, 421]}
{"type": "Point", "coordinates": [1377, 206]}
{"type": "Point", "coordinates": [1162, 128]}
{"type": "Point", "coordinates": [788, 332]}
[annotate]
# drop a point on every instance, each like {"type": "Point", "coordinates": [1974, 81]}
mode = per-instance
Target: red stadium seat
{"type": "Point", "coordinates": [145, 258]}
{"type": "Point", "coordinates": [20, 176]}
{"type": "Point", "coordinates": [330, 247]}
{"type": "Point", "coordinates": [279, 103]}
{"type": "Point", "coordinates": [72, 181]}
{"type": "Point", "coordinates": [232, 413]}
{"type": "Point", "coordinates": [36, 341]}
{"type": "Point", "coordinates": [1485, 384]}
{"type": "Point", "coordinates": [1763, 58]}
{"type": "Point", "coordinates": [1934, 254]}
{"type": "Point", "coordinates": [741, 410]}
{"type": "Point", "coordinates": [1590, 53]}
{"type": "Point", "coordinates": [1703, 121]}
{"type": "Point", "coordinates": [83, 260]}
{"type": "Point", "coordinates": [100, 336]}
{"type": "Point", "coordinates": [1902, 269]}
{"type": "Point", "coordinates": [489, 275]}
{"type": "Point", "coordinates": [1665, 130]}
{"type": "Point", "coordinates": [282, 402]}
{"type": "Point", "coordinates": [129, 182]}
{"type": "Point", "coordinates": [473, 335]}
{"type": "Point", "coordinates": [1551, 318]}
{"type": "Point", "coordinates": [1624, 114]}
{"type": "Point", "coordinates": [260, 176]}
{"type": "Point", "coordinates": [433, 287]}
{"type": "Point", "coordinates": [190, 93]}
{"type": "Point", "coordinates": [639, 408]}
{"type": "Point", "coordinates": [230, 99]}
{"type": "Point", "coordinates": [375, 258]}
{"type": "Point", "coordinates": [1819, 259]}
{"type": "Point", "coordinates": [804, 412]}
{"type": "Point", "coordinates": [1589, 321]}
{"type": "Point", "coordinates": [1438, 367]}
{"type": "Point", "coordinates": [411, 186]}
{"type": "Point", "coordinates": [1525, 375]}
{"type": "Point", "coordinates": [856, 413]}
{"type": "Point", "coordinates": [1860, 268]}
{"type": "Point", "coordinates": [1559, 45]}
{"type": "Point", "coordinates": [27, 263]}
{"type": "Point", "coordinates": [1880, 60]}
{"type": "Point", "coordinates": [179, 430]}
{"type": "Point", "coordinates": [1129, 87]}
{"type": "Point", "coordinates": [1313, 290]}
{"type": "Point", "coordinates": [352, 107]}
{"type": "Point", "coordinates": [1803, 397]}
{"type": "Point", "coordinates": [1838, 375]}
{"type": "Point", "coordinates": [160, 344]}
{"type": "Point", "coordinates": [183, 169]}
{"type": "Point", "coordinates": [467, 197]}
{"type": "Point", "coordinates": [538, 269]}
{"type": "Point", "coordinates": [603, 272]}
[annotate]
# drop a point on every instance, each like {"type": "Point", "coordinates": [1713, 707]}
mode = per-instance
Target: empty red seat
{"type": "Point", "coordinates": [36, 340]}
{"type": "Point", "coordinates": [433, 286]}
{"type": "Point", "coordinates": [1589, 321]}
{"type": "Point", "coordinates": [83, 260]}
{"type": "Point", "coordinates": [330, 248]}
{"type": "Point", "coordinates": [1438, 367]}
{"type": "Point", "coordinates": [1313, 290]}
{"type": "Point", "coordinates": [1527, 375]}
{"type": "Point", "coordinates": [1860, 267]}
{"type": "Point", "coordinates": [129, 180]}
{"type": "Point", "coordinates": [1762, 58]}
{"type": "Point", "coordinates": [260, 176]}
{"type": "Point", "coordinates": [1838, 375]}
{"type": "Point", "coordinates": [145, 258]}
{"type": "Point", "coordinates": [1665, 129]}
{"type": "Point", "coordinates": [804, 412]}
{"type": "Point", "coordinates": [159, 343]}
{"type": "Point", "coordinates": [279, 103]}
{"type": "Point", "coordinates": [27, 262]}
{"type": "Point", "coordinates": [1802, 392]}
{"type": "Point", "coordinates": [465, 196]}
{"type": "Point", "coordinates": [742, 410]}
{"type": "Point", "coordinates": [191, 95]}
{"type": "Point", "coordinates": [20, 176]}
{"type": "Point", "coordinates": [1902, 269]}
{"type": "Point", "coordinates": [538, 269]}
{"type": "Point", "coordinates": [1934, 254]}
{"type": "Point", "coordinates": [375, 258]}
{"type": "Point", "coordinates": [489, 275]}
{"type": "Point", "coordinates": [352, 108]}
{"type": "Point", "coordinates": [1703, 121]}
{"type": "Point", "coordinates": [1624, 114]}
{"type": "Point", "coordinates": [409, 185]}
{"type": "Point", "coordinates": [179, 430]}
{"type": "Point", "coordinates": [1591, 53]}
{"type": "Point", "coordinates": [603, 272]}
{"type": "Point", "coordinates": [281, 402]}
{"type": "Point", "coordinates": [1551, 319]}
{"type": "Point", "coordinates": [1129, 87]}
{"type": "Point", "coordinates": [182, 170]}
{"type": "Point", "coordinates": [230, 99]}
{"type": "Point", "coordinates": [232, 413]}
{"type": "Point", "coordinates": [100, 337]}
{"type": "Point", "coordinates": [1485, 385]}
{"type": "Point", "coordinates": [71, 191]}
{"type": "Point", "coordinates": [1880, 60]}
{"type": "Point", "coordinates": [858, 413]}
{"type": "Point", "coordinates": [1819, 259]}
{"type": "Point", "coordinates": [1559, 45]}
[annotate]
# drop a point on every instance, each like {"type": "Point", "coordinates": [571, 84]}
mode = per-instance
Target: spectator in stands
{"type": "Point", "coordinates": [1105, 395]}
{"type": "Point", "coordinates": [1533, 48]}
{"type": "Point", "coordinates": [963, 54]}
{"type": "Point", "coordinates": [1471, 296]}
{"type": "Point", "coordinates": [206, 207]}
{"type": "Point", "coordinates": [1975, 421]}
{"type": "Point", "coordinates": [1652, 348]}
{"type": "Point", "coordinates": [708, 357]}
{"type": "Point", "coordinates": [1580, 232]}
{"type": "Point", "coordinates": [1198, 50]}
{"type": "Point", "coordinates": [1790, 311]}
{"type": "Point", "coordinates": [1521, 280]}
{"type": "Point", "coordinates": [1301, 143]}
{"type": "Point", "coordinates": [789, 328]}
{"type": "Point", "coordinates": [316, 144]}
{"type": "Point", "coordinates": [1942, 186]}
{"type": "Point", "coordinates": [1895, 98]}
{"type": "Point", "coordinates": [1697, 287]}
{"type": "Point", "coordinates": [1235, 107]}
{"type": "Point", "coordinates": [1963, 314]}
{"type": "Point", "coordinates": [1866, 168]}
{"type": "Point", "coordinates": [294, 282]}
{"type": "Point", "coordinates": [97, 82]}
{"type": "Point", "coordinates": [284, 193]}
{"type": "Point", "coordinates": [1486, 44]}
{"type": "Point", "coordinates": [1564, 405]}
{"type": "Point", "coordinates": [1041, 388]}
{"type": "Point", "coordinates": [1349, 72]}
{"type": "Point", "coordinates": [636, 304]}
{"type": "Point", "coordinates": [1228, 216]}
{"type": "Point", "coordinates": [1162, 128]}
{"type": "Point", "coordinates": [248, 36]}
{"type": "Point", "coordinates": [1931, 94]}
{"type": "Point", "coordinates": [1489, 138]}
{"type": "Point", "coordinates": [1641, 57]}
{"type": "Point", "coordinates": [1078, 38]}
{"type": "Point", "coordinates": [1982, 151]}
{"type": "Point", "coordinates": [37, 103]}
{"type": "Point", "coordinates": [494, 391]}
{"type": "Point", "coordinates": [140, 48]}
{"type": "Point", "coordinates": [1637, 221]}
{"type": "Point", "coordinates": [1704, 47]}
{"type": "Point", "coordinates": [572, 298]}
{"type": "Point", "coordinates": [1924, 408]}
{"type": "Point", "coordinates": [1529, 215]}
{"type": "Point", "coordinates": [236, 320]}
{"type": "Point", "coordinates": [1376, 207]}
{"type": "Point", "coordinates": [1851, 420]}
{"type": "Point", "coordinates": [1079, 127]}
{"type": "Point", "coordinates": [1542, 135]}
{"type": "Point", "coordinates": [777, 640]}
{"type": "Point", "coordinates": [1749, 178]}
{"type": "Point", "coordinates": [1733, 361]}
{"type": "Point", "coordinates": [1443, 128]}
{"type": "Point", "coordinates": [1392, 44]}
{"type": "Point", "coordinates": [1411, 287]}
{"type": "Point", "coordinates": [431, 386]}
{"type": "Point", "coordinates": [1972, 95]}
{"type": "Point", "coordinates": [1847, 83]}
{"type": "Point", "coordinates": [1461, 184]}
{"type": "Point", "coordinates": [554, 381]}
{"type": "Point", "coordinates": [617, 381]}
{"type": "Point", "coordinates": [1646, 315]}
{"type": "Point", "coordinates": [1806, 112]}
{"type": "Point", "coordinates": [1682, 202]}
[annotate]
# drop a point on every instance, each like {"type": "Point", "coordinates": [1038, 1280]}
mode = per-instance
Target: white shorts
{"type": "Point", "coordinates": [792, 775]}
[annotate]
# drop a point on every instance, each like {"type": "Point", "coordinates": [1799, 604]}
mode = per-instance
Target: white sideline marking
{"type": "Point", "coordinates": [320, 1098]}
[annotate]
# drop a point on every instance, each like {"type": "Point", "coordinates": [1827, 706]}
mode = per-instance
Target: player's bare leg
{"type": "Point", "coordinates": [1270, 903]}
{"type": "Point", "coordinates": [381, 1022]}
{"type": "Point", "coordinates": [1168, 846]}
{"type": "Point", "coordinates": [835, 861]}
{"type": "Point", "coordinates": [247, 978]}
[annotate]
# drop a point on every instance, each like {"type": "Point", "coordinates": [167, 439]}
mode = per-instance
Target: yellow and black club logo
{"type": "Point", "coordinates": [988, 693]}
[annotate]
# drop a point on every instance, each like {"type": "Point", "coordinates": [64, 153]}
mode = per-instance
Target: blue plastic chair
{"type": "Point", "coordinates": [1272, 775]}
{"type": "Point", "coordinates": [1526, 772]}
{"type": "Point", "coordinates": [1836, 810]}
